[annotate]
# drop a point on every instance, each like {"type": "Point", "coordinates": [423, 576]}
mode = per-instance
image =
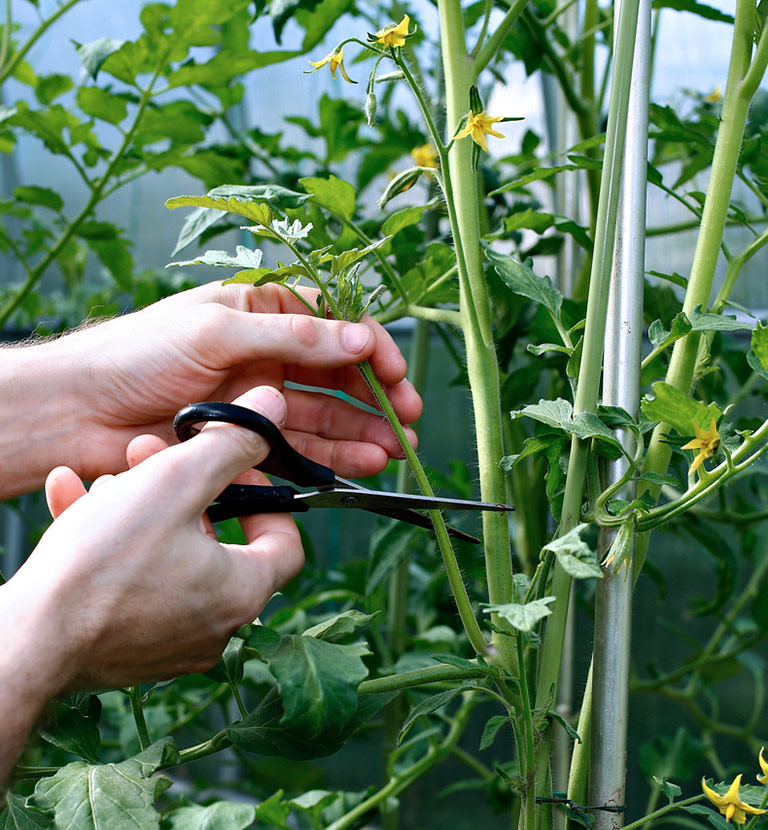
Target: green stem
{"type": "Point", "coordinates": [529, 755]}
{"type": "Point", "coordinates": [420, 312]}
{"type": "Point", "coordinates": [6, 33]}
{"type": "Point", "coordinates": [6, 70]}
{"type": "Point", "coordinates": [662, 811]}
{"type": "Point", "coordinates": [193, 753]}
{"type": "Point", "coordinates": [482, 365]}
{"type": "Point", "coordinates": [235, 689]}
{"type": "Point", "coordinates": [724, 163]}
{"type": "Point", "coordinates": [34, 275]}
{"type": "Point", "coordinates": [134, 695]}
{"type": "Point", "coordinates": [484, 55]}
{"type": "Point", "coordinates": [404, 779]}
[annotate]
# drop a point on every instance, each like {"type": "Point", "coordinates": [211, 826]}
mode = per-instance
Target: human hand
{"type": "Point", "coordinates": [129, 584]}
{"type": "Point", "coordinates": [214, 342]}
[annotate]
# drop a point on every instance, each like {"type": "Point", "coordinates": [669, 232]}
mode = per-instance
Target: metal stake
{"type": "Point", "coordinates": [621, 382]}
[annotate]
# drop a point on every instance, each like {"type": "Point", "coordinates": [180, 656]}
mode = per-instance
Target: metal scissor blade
{"type": "Point", "coordinates": [413, 517]}
{"type": "Point", "coordinates": [379, 500]}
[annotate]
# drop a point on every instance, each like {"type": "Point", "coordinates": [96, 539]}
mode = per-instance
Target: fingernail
{"type": "Point", "coordinates": [355, 337]}
{"type": "Point", "coordinates": [267, 401]}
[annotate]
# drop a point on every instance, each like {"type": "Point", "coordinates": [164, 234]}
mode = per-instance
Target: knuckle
{"type": "Point", "coordinates": [304, 330]}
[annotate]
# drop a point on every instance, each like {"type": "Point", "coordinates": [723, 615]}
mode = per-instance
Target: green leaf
{"type": "Point", "coordinates": [333, 194]}
{"type": "Point", "coordinates": [43, 196]}
{"type": "Point", "coordinates": [402, 219]}
{"type": "Point", "coordinates": [565, 723]}
{"type": "Point", "coordinates": [559, 414]}
{"type": "Point", "coordinates": [574, 554]}
{"type": "Point", "coordinates": [273, 811]}
{"type": "Point", "coordinates": [102, 104]}
{"type": "Point", "coordinates": [239, 205]}
{"type": "Point", "coordinates": [389, 546]}
{"type": "Point", "coordinates": [92, 55]}
{"type": "Point", "coordinates": [223, 815]}
{"type": "Point", "coordinates": [341, 625]}
{"type": "Point", "coordinates": [318, 682]}
{"type": "Point", "coordinates": [712, 816]}
{"type": "Point", "coordinates": [264, 730]}
{"type": "Point", "coordinates": [759, 345]}
{"type": "Point", "coordinates": [72, 731]}
{"type": "Point", "coordinates": [700, 9]}
{"type": "Point", "coordinates": [229, 668]}
{"type": "Point", "coordinates": [661, 338]}
{"type": "Point", "coordinates": [49, 87]}
{"type": "Point", "coordinates": [672, 407]}
{"type": "Point", "coordinates": [491, 729]}
{"type": "Point", "coordinates": [522, 280]}
{"type": "Point", "coordinates": [107, 797]}
{"type": "Point", "coordinates": [18, 815]}
{"type": "Point", "coordinates": [281, 11]}
{"type": "Point", "coordinates": [426, 707]}
{"type": "Point", "coordinates": [704, 321]}
{"type": "Point", "coordinates": [341, 261]}
{"type": "Point", "coordinates": [670, 790]}
{"type": "Point", "coordinates": [243, 258]}
{"type": "Point", "coordinates": [523, 617]}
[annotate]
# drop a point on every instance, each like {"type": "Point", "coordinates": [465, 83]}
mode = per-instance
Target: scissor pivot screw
{"type": "Point", "coordinates": [349, 500]}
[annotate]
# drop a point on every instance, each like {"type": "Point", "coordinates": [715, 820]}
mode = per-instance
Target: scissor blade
{"type": "Point", "coordinates": [378, 500]}
{"type": "Point", "coordinates": [420, 520]}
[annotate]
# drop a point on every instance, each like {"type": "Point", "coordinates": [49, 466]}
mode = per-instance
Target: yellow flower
{"type": "Point", "coordinates": [730, 804]}
{"type": "Point", "coordinates": [763, 779]}
{"type": "Point", "coordinates": [335, 60]}
{"type": "Point", "coordinates": [479, 125]}
{"type": "Point", "coordinates": [424, 156]}
{"type": "Point", "coordinates": [714, 97]}
{"type": "Point", "coordinates": [393, 34]}
{"type": "Point", "coordinates": [706, 442]}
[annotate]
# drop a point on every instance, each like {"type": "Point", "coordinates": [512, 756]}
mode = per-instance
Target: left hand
{"type": "Point", "coordinates": [135, 372]}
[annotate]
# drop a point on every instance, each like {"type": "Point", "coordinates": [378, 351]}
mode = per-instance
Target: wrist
{"type": "Point", "coordinates": [40, 418]}
{"type": "Point", "coordinates": [31, 669]}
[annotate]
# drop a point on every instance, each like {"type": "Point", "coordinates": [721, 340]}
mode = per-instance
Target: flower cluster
{"type": "Point", "coordinates": [731, 804]}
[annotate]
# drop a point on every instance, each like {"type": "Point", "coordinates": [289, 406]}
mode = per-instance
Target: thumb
{"type": "Point", "coordinates": [220, 452]}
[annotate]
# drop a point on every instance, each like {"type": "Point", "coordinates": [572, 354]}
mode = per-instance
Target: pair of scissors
{"type": "Point", "coordinates": [329, 490]}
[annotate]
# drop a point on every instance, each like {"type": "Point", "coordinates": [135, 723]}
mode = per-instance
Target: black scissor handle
{"type": "Point", "coordinates": [283, 460]}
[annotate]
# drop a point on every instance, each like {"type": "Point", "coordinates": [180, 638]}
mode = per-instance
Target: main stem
{"type": "Point", "coordinates": [482, 365]}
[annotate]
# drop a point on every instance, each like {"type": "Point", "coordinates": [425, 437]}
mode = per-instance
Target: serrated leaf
{"type": "Point", "coordinates": [559, 414]}
{"type": "Point", "coordinates": [341, 261]}
{"type": "Point", "coordinates": [661, 338]}
{"type": "Point", "coordinates": [18, 815]}
{"type": "Point", "coordinates": [92, 55]}
{"type": "Point", "coordinates": [672, 407]}
{"type": "Point", "coordinates": [243, 258]}
{"type": "Point", "coordinates": [713, 817]}
{"type": "Point", "coordinates": [341, 625]}
{"type": "Point", "coordinates": [574, 554]}
{"type": "Point", "coordinates": [265, 732]}
{"type": "Point", "coordinates": [109, 796]}
{"type": "Point", "coordinates": [333, 194]}
{"type": "Point", "coordinates": [291, 230]}
{"type": "Point", "coordinates": [670, 790]}
{"type": "Point", "coordinates": [522, 280]}
{"type": "Point", "coordinates": [427, 707]}
{"type": "Point", "coordinates": [704, 321]}
{"type": "Point", "coordinates": [317, 681]}
{"type": "Point", "coordinates": [401, 219]}
{"type": "Point", "coordinates": [102, 104]}
{"type": "Point", "coordinates": [565, 723]}
{"type": "Point", "coordinates": [491, 729]}
{"type": "Point", "coordinates": [523, 617]}
{"type": "Point", "coordinates": [43, 196]}
{"type": "Point", "coordinates": [759, 345]}
{"type": "Point", "coordinates": [754, 363]}
{"type": "Point", "coordinates": [239, 205]}
{"type": "Point", "coordinates": [73, 732]}
{"type": "Point", "coordinates": [223, 815]}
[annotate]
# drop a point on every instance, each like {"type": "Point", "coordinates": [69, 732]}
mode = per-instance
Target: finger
{"type": "Point", "coordinates": [271, 557]}
{"type": "Point", "coordinates": [351, 459]}
{"type": "Point", "coordinates": [333, 418]}
{"type": "Point", "coordinates": [292, 338]}
{"type": "Point", "coordinates": [220, 452]}
{"type": "Point", "coordinates": [100, 482]}
{"type": "Point", "coordinates": [143, 447]}
{"type": "Point", "coordinates": [404, 398]}
{"type": "Point", "coordinates": [63, 488]}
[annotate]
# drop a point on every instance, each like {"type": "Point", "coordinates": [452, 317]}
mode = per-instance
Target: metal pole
{"type": "Point", "coordinates": [621, 382]}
